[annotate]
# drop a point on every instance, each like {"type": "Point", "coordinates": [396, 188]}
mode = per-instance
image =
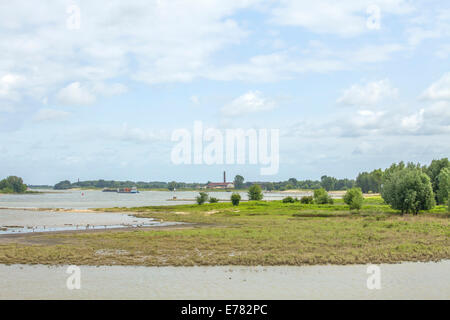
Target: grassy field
{"type": "Point", "coordinates": [254, 233]}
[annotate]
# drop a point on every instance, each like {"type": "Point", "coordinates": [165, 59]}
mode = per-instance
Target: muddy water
{"type": "Point", "coordinates": [27, 221]}
{"type": "Point", "coordinates": [399, 281]}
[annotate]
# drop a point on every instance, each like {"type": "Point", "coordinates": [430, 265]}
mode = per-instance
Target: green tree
{"type": "Point", "coordinates": [433, 171]}
{"type": "Point", "coordinates": [443, 186]}
{"type": "Point", "coordinates": [321, 196]}
{"type": "Point", "coordinates": [238, 182]}
{"type": "Point", "coordinates": [63, 185]}
{"type": "Point", "coordinates": [293, 182]}
{"type": "Point", "coordinates": [13, 184]}
{"type": "Point", "coordinates": [408, 190]}
{"type": "Point", "coordinates": [202, 198]}
{"type": "Point", "coordinates": [269, 186]}
{"type": "Point", "coordinates": [354, 198]}
{"type": "Point", "coordinates": [328, 182]}
{"type": "Point", "coordinates": [172, 186]}
{"type": "Point", "coordinates": [235, 198]}
{"type": "Point", "coordinates": [255, 192]}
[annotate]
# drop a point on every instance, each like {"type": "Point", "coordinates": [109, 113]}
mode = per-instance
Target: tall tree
{"type": "Point", "coordinates": [408, 190]}
{"type": "Point", "coordinates": [443, 190]}
{"type": "Point", "coordinates": [238, 182]}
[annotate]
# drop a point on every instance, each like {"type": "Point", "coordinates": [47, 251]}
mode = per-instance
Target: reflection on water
{"type": "Point", "coordinates": [84, 199]}
{"type": "Point", "coordinates": [398, 281]}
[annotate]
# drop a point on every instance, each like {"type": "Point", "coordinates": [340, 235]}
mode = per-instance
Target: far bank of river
{"type": "Point", "coordinates": [398, 281]}
{"type": "Point", "coordinates": [86, 199]}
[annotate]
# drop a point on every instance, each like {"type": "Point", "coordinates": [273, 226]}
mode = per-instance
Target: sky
{"type": "Point", "coordinates": [95, 89]}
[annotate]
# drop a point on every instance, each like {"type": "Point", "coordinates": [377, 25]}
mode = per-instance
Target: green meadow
{"type": "Point", "coordinates": [253, 233]}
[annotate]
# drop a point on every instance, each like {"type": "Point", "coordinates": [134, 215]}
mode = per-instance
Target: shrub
{"type": "Point", "coordinates": [322, 197]}
{"type": "Point", "coordinates": [213, 200]}
{"type": "Point", "coordinates": [255, 192]}
{"type": "Point", "coordinates": [202, 198]}
{"type": "Point", "coordinates": [354, 198]}
{"type": "Point", "coordinates": [13, 184]}
{"type": "Point", "coordinates": [408, 190]}
{"type": "Point", "coordinates": [288, 200]}
{"type": "Point", "coordinates": [307, 200]}
{"type": "Point", "coordinates": [235, 199]}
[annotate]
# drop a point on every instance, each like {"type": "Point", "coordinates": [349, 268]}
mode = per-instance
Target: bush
{"type": "Point", "coordinates": [307, 200]}
{"type": "Point", "coordinates": [13, 184]}
{"type": "Point", "coordinates": [213, 200]}
{"type": "Point", "coordinates": [255, 192]}
{"type": "Point", "coordinates": [235, 199]}
{"type": "Point", "coordinates": [202, 198]}
{"type": "Point", "coordinates": [322, 197]}
{"type": "Point", "coordinates": [408, 190]}
{"type": "Point", "coordinates": [288, 200]}
{"type": "Point", "coordinates": [354, 198]}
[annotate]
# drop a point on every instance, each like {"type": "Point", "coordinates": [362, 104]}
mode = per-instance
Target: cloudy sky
{"type": "Point", "coordinates": [352, 85]}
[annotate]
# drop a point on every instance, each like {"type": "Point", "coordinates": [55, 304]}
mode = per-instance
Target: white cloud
{"type": "Point", "coordinates": [369, 94]}
{"type": "Point", "coordinates": [430, 24]}
{"type": "Point", "coordinates": [413, 122]}
{"type": "Point", "coordinates": [50, 114]}
{"type": "Point", "coordinates": [194, 99]}
{"type": "Point", "coordinates": [375, 53]}
{"type": "Point", "coordinates": [9, 83]}
{"type": "Point", "coordinates": [345, 18]}
{"type": "Point", "coordinates": [149, 41]}
{"type": "Point", "coordinates": [75, 94]}
{"type": "Point", "coordinates": [440, 90]}
{"type": "Point", "coordinates": [250, 102]}
{"type": "Point", "coordinates": [135, 134]}
{"type": "Point", "coordinates": [109, 90]}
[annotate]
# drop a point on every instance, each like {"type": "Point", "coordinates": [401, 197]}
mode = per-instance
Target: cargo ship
{"type": "Point", "coordinates": [128, 190]}
{"type": "Point", "coordinates": [122, 190]}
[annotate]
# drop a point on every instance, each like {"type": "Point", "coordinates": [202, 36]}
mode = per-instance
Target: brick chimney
{"type": "Point", "coordinates": [224, 177]}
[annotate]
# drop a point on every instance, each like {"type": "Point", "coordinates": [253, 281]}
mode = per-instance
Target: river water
{"type": "Point", "coordinates": [84, 199]}
{"type": "Point", "coordinates": [398, 281]}
{"type": "Point", "coordinates": [17, 214]}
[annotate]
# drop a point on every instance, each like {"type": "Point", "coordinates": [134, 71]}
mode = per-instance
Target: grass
{"type": "Point", "coordinates": [254, 233]}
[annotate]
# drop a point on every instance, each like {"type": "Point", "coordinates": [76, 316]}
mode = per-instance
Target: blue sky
{"type": "Point", "coordinates": [352, 85]}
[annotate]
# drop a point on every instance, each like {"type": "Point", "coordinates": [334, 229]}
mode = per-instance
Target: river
{"type": "Point", "coordinates": [85, 199]}
{"type": "Point", "coordinates": [398, 281]}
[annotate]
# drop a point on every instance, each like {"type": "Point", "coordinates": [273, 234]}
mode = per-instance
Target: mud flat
{"type": "Point", "coordinates": [14, 221]}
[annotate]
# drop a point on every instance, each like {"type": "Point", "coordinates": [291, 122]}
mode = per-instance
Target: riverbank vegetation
{"type": "Point", "coordinates": [12, 184]}
{"type": "Point", "coordinates": [253, 233]}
